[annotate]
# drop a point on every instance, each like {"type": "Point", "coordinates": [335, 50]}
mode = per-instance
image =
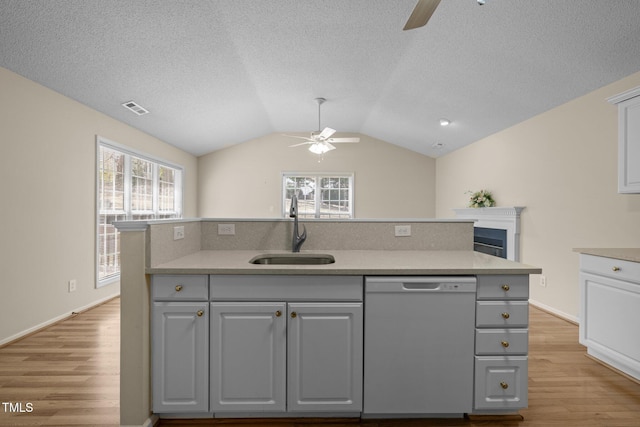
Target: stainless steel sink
{"type": "Point", "coordinates": [293, 259]}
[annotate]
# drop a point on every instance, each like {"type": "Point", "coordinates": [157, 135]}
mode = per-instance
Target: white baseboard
{"type": "Point", "coordinates": [555, 312]}
{"type": "Point", "coordinates": [55, 320]}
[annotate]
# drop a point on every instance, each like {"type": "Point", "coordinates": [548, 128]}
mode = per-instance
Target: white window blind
{"type": "Point", "coordinates": [130, 186]}
{"type": "Point", "coordinates": [320, 195]}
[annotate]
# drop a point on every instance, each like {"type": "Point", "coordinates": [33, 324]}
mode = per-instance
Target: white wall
{"type": "Point", "coordinates": [47, 213]}
{"type": "Point", "coordinates": [561, 165]}
{"type": "Point", "coordinates": [245, 180]}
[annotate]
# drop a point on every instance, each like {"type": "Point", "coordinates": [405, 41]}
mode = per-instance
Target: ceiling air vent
{"type": "Point", "coordinates": [131, 105]}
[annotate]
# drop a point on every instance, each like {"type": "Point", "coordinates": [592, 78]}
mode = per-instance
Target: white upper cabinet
{"type": "Point", "coordinates": [628, 140]}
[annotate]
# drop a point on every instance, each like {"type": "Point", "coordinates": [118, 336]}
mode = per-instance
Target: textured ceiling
{"type": "Point", "coordinates": [219, 72]}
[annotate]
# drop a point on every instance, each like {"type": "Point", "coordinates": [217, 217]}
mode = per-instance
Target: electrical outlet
{"type": "Point", "coordinates": [226, 229]}
{"type": "Point", "coordinates": [543, 281]}
{"type": "Point", "coordinates": [72, 285]}
{"type": "Point", "coordinates": [403, 230]}
{"type": "Point", "coordinates": [178, 232]}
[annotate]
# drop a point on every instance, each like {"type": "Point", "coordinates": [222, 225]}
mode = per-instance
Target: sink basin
{"type": "Point", "coordinates": [293, 259]}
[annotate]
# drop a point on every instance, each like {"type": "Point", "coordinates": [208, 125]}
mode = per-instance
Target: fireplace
{"type": "Point", "coordinates": [496, 230]}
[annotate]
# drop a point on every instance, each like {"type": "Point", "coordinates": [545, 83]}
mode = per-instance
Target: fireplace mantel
{"type": "Point", "coordinates": [503, 218]}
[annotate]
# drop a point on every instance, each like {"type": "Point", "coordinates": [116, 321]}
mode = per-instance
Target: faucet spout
{"type": "Point", "coordinates": [298, 239]}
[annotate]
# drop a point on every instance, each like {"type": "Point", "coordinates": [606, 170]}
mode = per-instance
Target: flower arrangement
{"type": "Point", "coordinates": [481, 199]}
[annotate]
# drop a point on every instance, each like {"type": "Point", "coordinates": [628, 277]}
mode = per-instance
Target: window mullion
{"type": "Point", "coordinates": [127, 187]}
{"type": "Point", "coordinates": [155, 190]}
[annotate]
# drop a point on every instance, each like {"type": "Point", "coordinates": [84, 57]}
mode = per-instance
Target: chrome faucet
{"type": "Point", "coordinates": [298, 239]}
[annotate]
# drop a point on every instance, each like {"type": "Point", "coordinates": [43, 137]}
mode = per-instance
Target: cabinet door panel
{"type": "Point", "coordinates": [325, 356]}
{"type": "Point", "coordinates": [248, 348]}
{"type": "Point", "coordinates": [180, 357]}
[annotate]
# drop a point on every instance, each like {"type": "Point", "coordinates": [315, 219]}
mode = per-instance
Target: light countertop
{"type": "Point", "coordinates": [348, 262]}
{"type": "Point", "coordinates": [625, 254]}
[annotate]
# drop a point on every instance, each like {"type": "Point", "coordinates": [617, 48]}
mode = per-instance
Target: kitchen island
{"type": "Point", "coordinates": [436, 249]}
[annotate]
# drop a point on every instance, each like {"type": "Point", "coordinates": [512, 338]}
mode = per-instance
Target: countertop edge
{"type": "Point", "coordinates": [623, 254]}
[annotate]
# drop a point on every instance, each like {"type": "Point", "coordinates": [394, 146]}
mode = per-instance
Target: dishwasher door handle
{"type": "Point", "coordinates": [421, 286]}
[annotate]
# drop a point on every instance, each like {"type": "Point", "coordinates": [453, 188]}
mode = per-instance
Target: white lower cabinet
{"type": "Point", "coordinates": [180, 357]}
{"type": "Point", "coordinates": [295, 357]}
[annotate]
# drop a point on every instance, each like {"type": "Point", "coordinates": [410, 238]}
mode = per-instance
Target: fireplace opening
{"type": "Point", "coordinates": [492, 241]}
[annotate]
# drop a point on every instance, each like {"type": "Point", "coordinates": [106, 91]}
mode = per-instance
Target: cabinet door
{"type": "Point", "coordinates": [325, 356]}
{"type": "Point", "coordinates": [180, 364]}
{"type": "Point", "coordinates": [248, 350]}
{"type": "Point", "coordinates": [629, 146]}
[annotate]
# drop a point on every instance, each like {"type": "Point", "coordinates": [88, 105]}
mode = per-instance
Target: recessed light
{"type": "Point", "coordinates": [437, 145]}
{"type": "Point", "coordinates": [445, 122]}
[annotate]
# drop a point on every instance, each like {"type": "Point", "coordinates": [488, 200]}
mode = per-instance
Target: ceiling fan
{"type": "Point", "coordinates": [423, 11]}
{"type": "Point", "coordinates": [320, 142]}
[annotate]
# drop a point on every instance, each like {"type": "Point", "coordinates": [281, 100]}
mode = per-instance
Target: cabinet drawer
{"type": "Point", "coordinates": [180, 288]}
{"type": "Point", "coordinates": [501, 382]}
{"type": "Point", "coordinates": [502, 314]}
{"type": "Point", "coordinates": [502, 341]}
{"type": "Point", "coordinates": [503, 287]}
{"type": "Point", "coordinates": [610, 267]}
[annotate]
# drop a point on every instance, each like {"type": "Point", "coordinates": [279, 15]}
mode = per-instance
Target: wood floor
{"type": "Point", "coordinates": [68, 374]}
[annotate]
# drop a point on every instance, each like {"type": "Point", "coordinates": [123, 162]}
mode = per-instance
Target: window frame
{"type": "Point", "coordinates": [317, 196]}
{"type": "Point", "coordinates": [127, 211]}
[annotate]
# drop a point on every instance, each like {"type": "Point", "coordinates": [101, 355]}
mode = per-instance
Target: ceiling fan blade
{"type": "Point", "coordinates": [342, 140]}
{"type": "Point", "coordinates": [299, 137]}
{"type": "Point", "coordinates": [302, 143]}
{"type": "Point", "coordinates": [329, 146]}
{"type": "Point", "coordinates": [421, 14]}
{"type": "Point", "coordinates": [326, 133]}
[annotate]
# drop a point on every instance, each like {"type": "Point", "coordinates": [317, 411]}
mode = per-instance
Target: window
{"type": "Point", "coordinates": [130, 186]}
{"type": "Point", "coordinates": [320, 195]}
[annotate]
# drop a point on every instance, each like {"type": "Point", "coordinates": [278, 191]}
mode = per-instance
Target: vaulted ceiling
{"type": "Point", "coordinates": [214, 73]}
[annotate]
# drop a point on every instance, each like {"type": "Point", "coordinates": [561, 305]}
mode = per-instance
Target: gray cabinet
{"type": "Point", "coordinates": [501, 363]}
{"type": "Point", "coordinates": [248, 356]}
{"type": "Point", "coordinates": [628, 140]}
{"type": "Point", "coordinates": [179, 344]}
{"type": "Point", "coordinates": [325, 357]}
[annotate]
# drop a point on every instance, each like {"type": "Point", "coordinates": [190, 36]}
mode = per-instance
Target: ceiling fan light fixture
{"type": "Point", "coordinates": [319, 148]}
{"type": "Point", "coordinates": [445, 122]}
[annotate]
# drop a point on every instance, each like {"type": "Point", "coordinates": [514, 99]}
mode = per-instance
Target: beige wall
{"type": "Point", "coordinates": [245, 180]}
{"type": "Point", "coordinates": [561, 165]}
{"type": "Point", "coordinates": [47, 214]}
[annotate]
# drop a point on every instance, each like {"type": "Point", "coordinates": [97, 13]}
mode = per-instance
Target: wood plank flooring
{"type": "Point", "coordinates": [69, 374]}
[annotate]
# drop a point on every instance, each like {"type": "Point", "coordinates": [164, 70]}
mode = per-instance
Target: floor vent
{"type": "Point", "coordinates": [131, 105]}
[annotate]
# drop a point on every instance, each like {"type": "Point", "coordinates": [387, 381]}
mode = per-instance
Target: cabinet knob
{"type": "Point", "coordinates": [294, 314]}
{"type": "Point", "coordinates": [504, 385]}
{"type": "Point", "coordinates": [178, 288]}
{"type": "Point", "coordinates": [505, 315]}
{"type": "Point", "coordinates": [505, 344]}
{"type": "Point", "coordinates": [278, 313]}
{"type": "Point", "coordinates": [506, 288]}
{"type": "Point", "coordinates": [200, 313]}
{"type": "Point", "coordinates": [616, 268]}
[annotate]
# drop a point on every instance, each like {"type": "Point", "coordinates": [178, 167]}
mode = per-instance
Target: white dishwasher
{"type": "Point", "coordinates": [419, 345]}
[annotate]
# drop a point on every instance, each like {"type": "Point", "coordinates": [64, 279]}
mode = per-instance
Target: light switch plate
{"type": "Point", "coordinates": [403, 230]}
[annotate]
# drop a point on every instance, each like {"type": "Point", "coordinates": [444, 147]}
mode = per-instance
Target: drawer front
{"type": "Point", "coordinates": [502, 314]}
{"type": "Point", "coordinates": [502, 341]}
{"type": "Point", "coordinates": [609, 267]}
{"type": "Point", "coordinates": [503, 287]}
{"type": "Point", "coordinates": [180, 288]}
{"type": "Point", "coordinates": [286, 288]}
{"type": "Point", "coordinates": [501, 382]}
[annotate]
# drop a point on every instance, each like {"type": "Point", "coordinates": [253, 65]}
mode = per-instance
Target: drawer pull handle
{"type": "Point", "coordinates": [200, 313]}
{"type": "Point", "coordinates": [294, 314]}
{"type": "Point", "coordinates": [616, 268]}
{"type": "Point", "coordinates": [505, 315]}
{"type": "Point", "coordinates": [178, 288]}
{"type": "Point", "coordinates": [278, 313]}
{"type": "Point", "coordinates": [505, 344]}
{"type": "Point", "coordinates": [504, 385]}
{"type": "Point", "coordinates": [506, 288]}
